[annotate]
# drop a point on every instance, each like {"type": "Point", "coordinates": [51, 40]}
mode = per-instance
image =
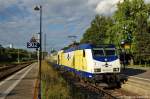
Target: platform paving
{"type": "Point", "coordinates": [138, 81]}
{"type": "Point", "coordinates": [141, 72]}
{"type": "Point", "coordinates": [20, 85]}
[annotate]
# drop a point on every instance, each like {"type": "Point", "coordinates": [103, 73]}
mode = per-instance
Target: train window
{"type": "Point", "coordinates": [68, 57]}
{"type": "Point", "coordinates": [83, 53]}
{"type": "Point", "coordinates": [98, 52]}
{"type": "Point", "coordinates": [110, 52]}
{"type": "Point", "coordinates": [58, 59]}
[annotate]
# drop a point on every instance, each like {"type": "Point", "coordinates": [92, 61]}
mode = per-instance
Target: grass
{"type": "Point", "coordinates": [53, 85]}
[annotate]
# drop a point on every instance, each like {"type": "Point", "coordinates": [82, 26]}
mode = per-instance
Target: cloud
{"type": "Point", "coordinates": [147, 1]}
{"type": "Point", "coordinates": [107, 7]}
{"type": "Point", "coordinates": [19, 21]}
{"type": "Point", "coordinates": [71, 15]}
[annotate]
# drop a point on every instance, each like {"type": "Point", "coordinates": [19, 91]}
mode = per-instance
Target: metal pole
{"type": "Point", "coordinates": [44, 55]}
{"type": "Point", "coordinates": [18, 56]}
{"type": "Point", "coordinates": [40, 54]}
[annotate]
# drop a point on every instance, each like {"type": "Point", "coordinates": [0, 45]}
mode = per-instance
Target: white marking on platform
{"type": "Point", "coordinates": [7, 79]}
{"type": "Point", "coordinates": [8, 90]}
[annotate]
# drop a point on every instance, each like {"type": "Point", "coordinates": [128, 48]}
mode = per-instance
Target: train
{"type": "Point", "coordinates": [95, 63]}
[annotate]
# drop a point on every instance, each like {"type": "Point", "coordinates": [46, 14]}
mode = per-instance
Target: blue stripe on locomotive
{"type": "Point", "coordinates": [102, 58]}
{"type": "Point", "coordinates": [88, 46]}
{"type": "Point", "coordinates": [80, 47]}
{"type": "Point", "coordinates": [79, 72]}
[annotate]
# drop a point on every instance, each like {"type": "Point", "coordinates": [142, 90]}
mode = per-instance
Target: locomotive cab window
{"type": "Point", "coordinates": [98, 52]}
{"type": "Point", "coordinates": [110, 52]}
{"type": "Point", "coordinates": [104, 52]}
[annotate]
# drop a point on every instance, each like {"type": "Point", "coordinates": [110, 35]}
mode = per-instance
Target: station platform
{"type": "Point", "coordinates": [21, 84]}
{"type": "Point", "coordinates": [136, 71]}
{"type": "Point", "coordinates": [138, 81]}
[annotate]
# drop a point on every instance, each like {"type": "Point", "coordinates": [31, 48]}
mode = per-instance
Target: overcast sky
{"type": "Point", "coordinates": [61, 18]}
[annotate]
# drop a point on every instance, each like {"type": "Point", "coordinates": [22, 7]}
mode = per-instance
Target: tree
{"type": "Point", "coordinates": [11, 54]}
{"type": "Point", "coordinates": [96, 33]}
{"type": "Point", "coordinates": [131, 24]}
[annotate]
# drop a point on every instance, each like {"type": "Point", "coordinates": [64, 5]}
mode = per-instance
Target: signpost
{"type": "Point", "coordinates": [33, 44]}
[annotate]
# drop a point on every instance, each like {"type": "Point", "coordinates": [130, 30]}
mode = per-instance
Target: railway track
{"type": "Point", "coordinates": [101, 91]}
{"type": "Point", "coordinates": [10, 69]}
{"type": "Point", "coordinates": [102, 94]}
{"type": "Point", "coordinates": [106, 93]}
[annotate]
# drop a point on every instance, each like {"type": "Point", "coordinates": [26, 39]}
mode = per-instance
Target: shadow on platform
{"type": "Point", "coordinates": [132, 71]}
{"type": "Point", "coordinates": [6, 94]}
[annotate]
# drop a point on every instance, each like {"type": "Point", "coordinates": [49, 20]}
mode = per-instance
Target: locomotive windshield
{"type": "Point", "coordinates": [98, 52]}
{"type": "Point", "coordinates": [110, 52]}
{"type": "Point", "coordinates": [104, 52]}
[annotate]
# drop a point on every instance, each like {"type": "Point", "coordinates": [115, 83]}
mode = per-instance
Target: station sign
{"type": "Point", "coordinates": [33, 43]}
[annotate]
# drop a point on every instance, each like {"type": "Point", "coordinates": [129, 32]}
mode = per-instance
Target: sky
{"type": "Point", "coordinates": [61, 18]}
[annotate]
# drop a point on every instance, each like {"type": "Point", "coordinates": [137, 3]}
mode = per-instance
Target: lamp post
{"type": "Point", "coordinates": [39, 8]}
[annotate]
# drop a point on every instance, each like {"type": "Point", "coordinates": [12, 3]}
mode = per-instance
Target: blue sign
{"type": "Point", "coordinates": [33, 44]}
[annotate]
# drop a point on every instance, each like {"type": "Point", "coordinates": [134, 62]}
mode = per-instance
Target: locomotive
{"type": "Point", "coordinates": [95, 63]}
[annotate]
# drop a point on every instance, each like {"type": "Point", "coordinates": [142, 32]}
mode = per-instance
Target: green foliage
{"type": "Point", "coordinates": [132, 17]}
{"type": "Point", "coordinates": [130, 23]}
{"type": "Point", "coordinates": [12, 54]}
{"type": "Point", "coordinates": [96, 33]}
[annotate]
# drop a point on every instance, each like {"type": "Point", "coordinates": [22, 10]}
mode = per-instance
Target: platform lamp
{"type": "Point", "coordinates": [39, 8]}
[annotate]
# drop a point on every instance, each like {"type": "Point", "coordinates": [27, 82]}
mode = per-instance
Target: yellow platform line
{"type": "Point", "coordinates": [36, 89]}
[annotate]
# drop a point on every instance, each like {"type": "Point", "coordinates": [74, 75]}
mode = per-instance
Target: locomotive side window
{"type": "Point", "coordinates": [83, 53]}
{"type": "Point", "coordinates": [58, 59]}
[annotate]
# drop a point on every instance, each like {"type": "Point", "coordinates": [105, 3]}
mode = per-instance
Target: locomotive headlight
{"type": "Point", "coordinates": [116, 69]}
{"type": "Point", "coordinates": [97, 70]}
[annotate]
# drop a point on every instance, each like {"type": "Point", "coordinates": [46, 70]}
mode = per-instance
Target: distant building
{"type": "Point", "coordinates": [10, 45]}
